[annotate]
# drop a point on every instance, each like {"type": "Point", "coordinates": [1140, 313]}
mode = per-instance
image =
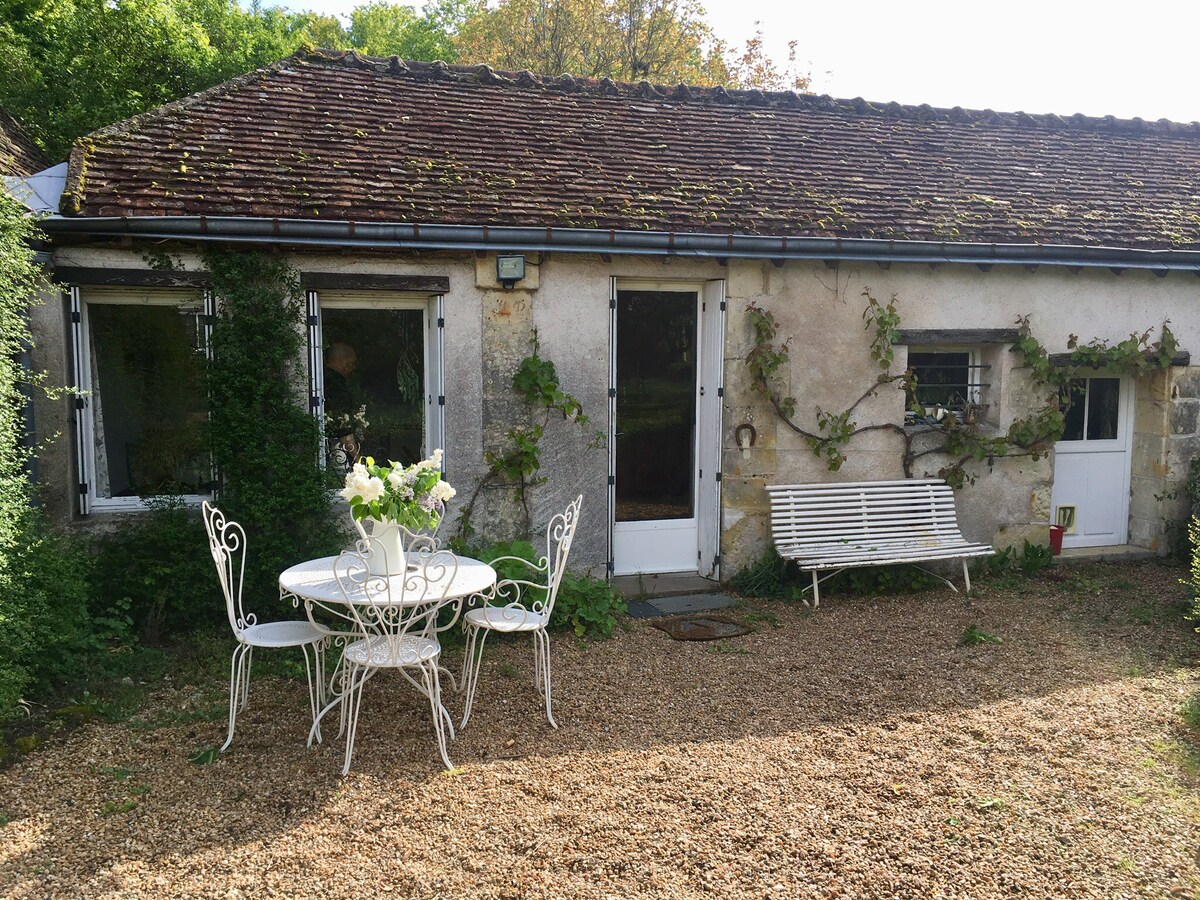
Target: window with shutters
{"type": "Point", "coordinates": [376, 364]}
{"type": "Point", "coordinates": [142, 412]}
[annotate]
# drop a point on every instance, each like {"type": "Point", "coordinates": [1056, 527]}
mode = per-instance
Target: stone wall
{"type": "Point", "coordinates": [565, 298]}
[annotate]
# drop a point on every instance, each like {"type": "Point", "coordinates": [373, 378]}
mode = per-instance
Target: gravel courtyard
{"type": "Point", "coordinates": [860, 751]}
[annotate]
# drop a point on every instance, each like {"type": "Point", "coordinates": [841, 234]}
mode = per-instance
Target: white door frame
{"type": "Point", "coordinates": [1123, 444]}
{"type": "Point", "coordinates": [677, 540]}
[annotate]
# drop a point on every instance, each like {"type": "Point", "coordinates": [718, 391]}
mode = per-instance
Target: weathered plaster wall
{"type": "Point", "coordinates": [821, 309]}
{"type": "Point", "coordinates": [565, 298]}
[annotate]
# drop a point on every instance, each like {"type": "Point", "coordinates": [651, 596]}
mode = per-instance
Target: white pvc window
{"type": "Point", "coordinates": [141, 411]}
{"type": "Point", "coordinates": [376, 365]}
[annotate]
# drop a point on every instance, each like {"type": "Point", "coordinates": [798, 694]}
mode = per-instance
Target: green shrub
{"type": "Point", "coordinates": [1035, 557]}
{"type": "Point", "coordinates": [588, 606]}
{"type": "Point", "coordinates": [264, 440]}
{"type": "Point", "coordinates": [767, 578]}
{"type": "Point", "coordinates": [772, 577]}
{"type": "Point", "coordinates": [154, 576]}
{"type": "Point", "coordinates": [43, 587]}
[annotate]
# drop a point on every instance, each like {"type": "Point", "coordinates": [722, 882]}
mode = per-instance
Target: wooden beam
{"type": "Point", "coordinates": [344, 281]}
{"type": "Point", "coordinates": [88, 275]}
{"type": "Point", "coordinates": [1063, 360]}
{"type": "Point", "coordinates": [928, 336]}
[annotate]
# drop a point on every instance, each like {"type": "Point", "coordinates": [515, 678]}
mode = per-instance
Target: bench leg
{"type": "Point", "coordinates": [966, 576]}
{"type": "Point", "coordinates": [816, 590]}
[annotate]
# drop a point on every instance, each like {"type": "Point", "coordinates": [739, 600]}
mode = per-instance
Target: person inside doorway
{"type": "Point", "coordinates": [345, 412]}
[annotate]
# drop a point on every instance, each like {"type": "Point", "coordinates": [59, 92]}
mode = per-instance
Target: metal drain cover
{"type": "Point", "coordinates": [702, 628]}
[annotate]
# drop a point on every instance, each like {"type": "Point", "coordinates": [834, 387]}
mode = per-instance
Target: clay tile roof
{"type": "Point", "coordinates": [324, 135]}
{"type": "Point", "coordinates": [19, 155]}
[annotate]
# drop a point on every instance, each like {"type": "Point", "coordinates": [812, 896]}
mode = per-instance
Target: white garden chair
{"type": "Point", "coordinates": [519, 606]}
{"type": "Point", "coordinates": [394, 625]}
{"type": "Point", "coordinates": [227, 541]}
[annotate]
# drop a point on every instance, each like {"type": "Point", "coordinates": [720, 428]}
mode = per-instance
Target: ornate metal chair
{"type": "Point", "coordinates": [393, 625]}
{"type": "Point", "coordinates": [227, 541]}
{"type": "Point", "coordinates": [522, 606]}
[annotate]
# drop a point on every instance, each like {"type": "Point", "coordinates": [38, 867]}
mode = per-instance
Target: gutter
{"type": "Point", "coordinates": [377, 236]}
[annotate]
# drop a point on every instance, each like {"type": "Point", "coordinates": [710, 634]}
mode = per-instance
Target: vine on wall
{"type": "Point", "coordinates": [536, 382]}
{"type": "Point", "coordinates": [962, 441]}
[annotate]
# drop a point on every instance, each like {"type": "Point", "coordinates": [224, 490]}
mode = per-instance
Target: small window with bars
{"type": "Point", "coordinates": [945, 382]}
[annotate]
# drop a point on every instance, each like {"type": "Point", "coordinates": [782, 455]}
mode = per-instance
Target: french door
{"type": "Point", "coordinates": [667, 356]}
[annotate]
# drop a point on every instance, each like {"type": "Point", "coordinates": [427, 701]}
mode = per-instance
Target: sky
{"type": "Point", "coordinates": [1098, 58]}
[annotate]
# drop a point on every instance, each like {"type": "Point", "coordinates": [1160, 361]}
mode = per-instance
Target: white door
{"type": "Point", "coordinates": [1090, 498]}
{"type": "Point", "coordinates": [656, 350]}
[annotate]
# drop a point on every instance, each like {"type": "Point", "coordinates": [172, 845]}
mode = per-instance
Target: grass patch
{"type": "Point", "coordinates": [116, 807]}
{"type": "Point", "coordinates": [974, 636]}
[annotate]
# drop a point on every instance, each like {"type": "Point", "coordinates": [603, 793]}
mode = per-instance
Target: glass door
{"type": "Point", "coordinates": [656, 340]}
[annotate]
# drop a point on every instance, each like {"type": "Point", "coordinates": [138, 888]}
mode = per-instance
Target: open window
{"type": "Point", "coordinates": [376, 368]}
{"type": "Point", "coordinates": [142, 412]}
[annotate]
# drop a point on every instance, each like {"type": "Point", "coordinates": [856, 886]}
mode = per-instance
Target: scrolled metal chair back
{"type": "Point", "coordinates": [560, 534]}
{"type": "Point", "coordinates": [386, 609]}
{"type": "Point", "coordinates": [227, 543]}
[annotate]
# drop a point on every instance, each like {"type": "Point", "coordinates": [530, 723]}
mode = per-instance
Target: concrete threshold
{"type": "Point", "coordinates": [675, 584]}
{"type": "Point", "coordinates": [1123, 553]}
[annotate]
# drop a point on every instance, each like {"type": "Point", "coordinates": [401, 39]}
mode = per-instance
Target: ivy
{"type": "Point", "coordinates": [264, 441]}
{"type": "Point", "coordinates": [964, 442]}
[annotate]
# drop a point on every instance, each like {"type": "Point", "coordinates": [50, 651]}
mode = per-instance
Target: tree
{"type": "Point", "coordinates": [658, 40]}
{"type": "Point", "coordinates": [391, 29]}
{"type": "Point", "coordinates": [750, 67]}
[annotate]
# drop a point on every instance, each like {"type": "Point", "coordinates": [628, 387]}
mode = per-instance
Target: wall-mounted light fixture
{"type": "Point", "coordinates": [510, 270]}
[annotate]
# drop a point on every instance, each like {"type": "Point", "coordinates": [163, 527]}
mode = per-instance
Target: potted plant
{"type": "Point", "coordinates": [399, 501]}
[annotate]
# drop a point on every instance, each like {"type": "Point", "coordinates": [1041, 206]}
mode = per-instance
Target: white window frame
{"type": "Point", "coordinates": [433, 428]}
{"type": "Point", "coordinates": [81, 345]}
{"type": "Point", "coordinates": [974, 361]}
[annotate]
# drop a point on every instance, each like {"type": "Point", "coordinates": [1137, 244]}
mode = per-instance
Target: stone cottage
{"type": "Point", "coordinates": [438, 216]}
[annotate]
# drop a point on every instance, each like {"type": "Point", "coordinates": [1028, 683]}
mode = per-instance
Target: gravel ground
{"type": "Point", "coordinates": [856, 752]}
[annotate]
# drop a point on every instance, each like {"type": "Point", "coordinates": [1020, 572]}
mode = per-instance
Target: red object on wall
{"type": "Point", "coordinates": [1056, 536]}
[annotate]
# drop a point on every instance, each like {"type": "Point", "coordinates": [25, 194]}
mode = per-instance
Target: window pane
{"type": "Point", "coordinates": [149, 411]}
{"type": "Point", "coordinates": [1075, 393]}
{"type": "Point", "coordinates": [942, 378]}
{"type": "Point", "coordinates": [1104, 400]}
{"type": "Point", "coordinates": [374, 384]}
{"type": "Point", "coordinates": [656, 405]}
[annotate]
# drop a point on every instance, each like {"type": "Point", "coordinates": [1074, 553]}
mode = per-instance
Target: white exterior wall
{"type": "Point", "coordinates": [565, 297]}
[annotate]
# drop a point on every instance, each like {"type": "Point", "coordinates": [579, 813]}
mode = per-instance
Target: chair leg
{"type": "Point", "coordinates": [433, 687]}
{"type": "Point", "coordinates": [472, 679]}
{"type": "Point", "coordinates": [314, 687]}
{"type": "Point", "coordinates": [351, 705]}
{"type": "Point", "coordinates": [542, 640]}
{"type": "Point", "coordinates": [236, 675]}
{"type": "Point", "coordinates": [247, 663]}
{"type": "Point", "coordinates": [966, 577]}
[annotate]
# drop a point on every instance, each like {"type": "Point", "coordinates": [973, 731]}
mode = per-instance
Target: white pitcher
{"type": "Point", "coordinates": [387, 541]}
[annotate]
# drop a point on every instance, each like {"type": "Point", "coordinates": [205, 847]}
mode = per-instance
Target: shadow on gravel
{"type": "Point", "coordinates": [857, 664]}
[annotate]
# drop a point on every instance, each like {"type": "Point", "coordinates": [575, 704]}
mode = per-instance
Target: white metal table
{"type": "Point", "coordinates": [314, 584]}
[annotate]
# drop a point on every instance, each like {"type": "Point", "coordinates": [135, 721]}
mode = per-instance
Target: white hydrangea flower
{"type": "Point", "coordinates": [442, 491]}
{"type": "Point", "coordinates": [372, 489]}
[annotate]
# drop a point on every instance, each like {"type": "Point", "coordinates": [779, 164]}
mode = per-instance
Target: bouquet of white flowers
{"type": "Point", "coordinates": [412, 496]}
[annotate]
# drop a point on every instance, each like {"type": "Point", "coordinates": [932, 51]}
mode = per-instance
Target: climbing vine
{"type": "Point", "coordinates": [962, 441]}
{"type": "Point", "coordinates": [517, 464]}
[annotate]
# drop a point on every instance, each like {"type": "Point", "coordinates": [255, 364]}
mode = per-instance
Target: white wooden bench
{"type": "Point", "coordinates": [825, 527]}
